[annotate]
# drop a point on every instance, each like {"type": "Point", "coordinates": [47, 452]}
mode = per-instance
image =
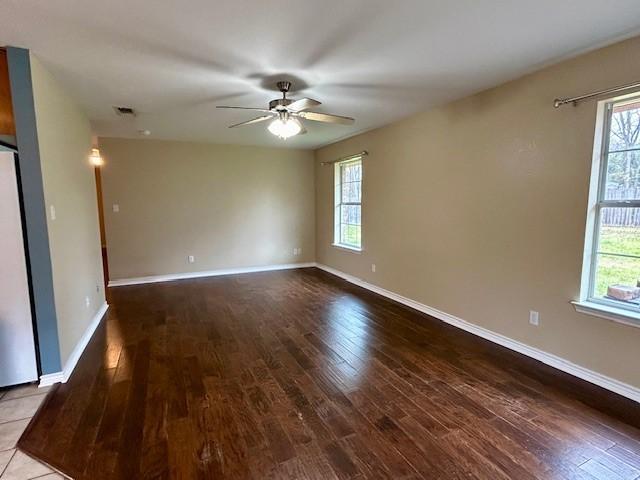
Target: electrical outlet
{"type": "Point", "coordinates": [116, 207]}
{"type": "Point", "coordinates": [373, 267]}
{"type": "Point", "coordinates": [52, 209]}
{"type": "Point", "coordinates": [191, 259]}
{"type": "Point", "coordinates": [87, 301]}
{"type": "Point", "coordinates": [296, 251]}
{"type": "Point", "coordinates": [534, 318]}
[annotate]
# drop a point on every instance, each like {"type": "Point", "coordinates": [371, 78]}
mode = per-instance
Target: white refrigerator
{"type": "Point", "coordinates": [17, 345]}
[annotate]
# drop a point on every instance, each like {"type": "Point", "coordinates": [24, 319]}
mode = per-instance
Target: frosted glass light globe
{"type": "Point", "coordinates": [285, 128]}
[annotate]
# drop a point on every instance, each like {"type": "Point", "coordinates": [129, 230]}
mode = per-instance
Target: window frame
{"type": "Point", "coordinates": [338, 203]}
{"type": "Point", "coordinates": [589, 303]}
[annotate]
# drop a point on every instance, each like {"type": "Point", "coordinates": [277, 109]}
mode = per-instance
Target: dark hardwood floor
{"type": "Point", "coordinates": [298, 374]}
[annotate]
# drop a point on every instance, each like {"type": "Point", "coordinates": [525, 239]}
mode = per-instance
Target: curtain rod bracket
{"type": "Point", "coordinates": [363, 153]}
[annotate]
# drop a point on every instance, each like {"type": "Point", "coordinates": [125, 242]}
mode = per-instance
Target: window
{"type": "Point", "coordinates": [348, 207]}
{"type": "Point", "coordinates": [611, 274]}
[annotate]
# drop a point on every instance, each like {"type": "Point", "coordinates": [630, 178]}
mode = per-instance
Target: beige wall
{"type": "Point", "coordinates": [229, 206]}
{"type": "Point", "coordinates": [64, 137]}
{"type": "Point", "coordinates": [478, 209]}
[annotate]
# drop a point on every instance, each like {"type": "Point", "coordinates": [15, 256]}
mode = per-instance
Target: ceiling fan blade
{"type": "Point", "coordinates": [303, 104]}
{"type": "Point", "coordinates": [244, 108]}
{"type": "Point", "coordinates": [255, 120]}
{"type": "Point", "coordinates": [327, 118]}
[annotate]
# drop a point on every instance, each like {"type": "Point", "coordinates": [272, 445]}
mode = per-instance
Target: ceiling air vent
{"type": "Point", "coordinates": [124, 111]}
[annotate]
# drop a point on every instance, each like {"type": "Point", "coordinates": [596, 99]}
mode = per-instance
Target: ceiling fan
{"type": "Point", "coordinates": [286, 114]}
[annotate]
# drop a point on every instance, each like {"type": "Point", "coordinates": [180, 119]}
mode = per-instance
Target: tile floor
{"type": "Point", "coordinates": [17, 406]}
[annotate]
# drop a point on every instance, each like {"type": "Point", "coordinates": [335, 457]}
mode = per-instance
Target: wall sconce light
{"type": "Point", "coordinates": [95, 158]}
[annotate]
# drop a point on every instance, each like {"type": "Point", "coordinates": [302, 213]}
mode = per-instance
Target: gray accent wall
{"type": "Point", "coordinates": [35, 210]}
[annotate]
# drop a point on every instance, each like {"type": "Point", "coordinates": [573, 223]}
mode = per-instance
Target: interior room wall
{"type": "Point", "coordinates": [227, 206]}
{"type": "Point", "coordinates": [477, 208]}
{"type": "Point", "coordinates": [64, 137]}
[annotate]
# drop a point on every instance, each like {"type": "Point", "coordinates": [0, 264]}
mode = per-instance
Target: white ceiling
{"type": "Point", "coordinates": [375, 60]}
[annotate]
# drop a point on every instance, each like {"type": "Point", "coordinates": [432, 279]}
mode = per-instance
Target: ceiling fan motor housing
{"type": "Point", "coordinates": [279, 103]}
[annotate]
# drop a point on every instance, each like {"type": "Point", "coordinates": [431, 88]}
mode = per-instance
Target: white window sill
{"type": "Point", "coordinates": [609, 312]}
{"type": "Point", "coordinates": [346, 247]}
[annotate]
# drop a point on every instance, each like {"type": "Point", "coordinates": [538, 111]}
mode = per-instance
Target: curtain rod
{"type": "Point", "coordinates": [363, 153]}
{"type": "Point", "coordinates": [558, 102]}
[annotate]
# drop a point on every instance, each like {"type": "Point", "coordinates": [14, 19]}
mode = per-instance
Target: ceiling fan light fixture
{"type": "Point", "coordinates": [288, 113]}
{"type": "Point", "coordinates": [286, 128]}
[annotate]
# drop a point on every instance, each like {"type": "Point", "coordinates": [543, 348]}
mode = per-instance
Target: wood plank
{"type": "Point", "coordinates": [297, 374]}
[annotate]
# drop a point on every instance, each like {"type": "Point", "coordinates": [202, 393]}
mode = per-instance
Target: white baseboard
{"type": "Point", "coordinates": [50, 378]}
{"type": "Point", "coordinates": [206, 273]}
{"type": "Point", "coordinates": [70, 364]}
{"type": "Point", "coordinates": [560, 363]}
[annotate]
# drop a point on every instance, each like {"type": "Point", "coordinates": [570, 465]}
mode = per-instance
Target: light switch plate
{"type": "Point", "coordinates": [534, 318]}
{"type": "Point", "coordinates": [116, 207]}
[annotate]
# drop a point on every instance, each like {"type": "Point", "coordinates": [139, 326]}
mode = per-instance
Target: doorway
{"type": "Point", "coordinates": [103, 236]}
